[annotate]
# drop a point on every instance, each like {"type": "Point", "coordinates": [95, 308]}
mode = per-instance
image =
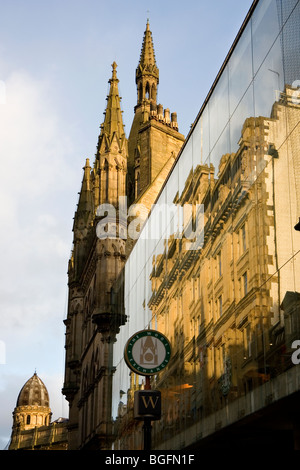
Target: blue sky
{"type": "Point", "coordinates": [55, 62]}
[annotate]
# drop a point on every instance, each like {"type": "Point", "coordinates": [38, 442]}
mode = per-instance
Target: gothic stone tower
{"type": "Point", "coordinates": [93, 268]}
{"type": "Point", "coordinates": [136, 169]}
{"type": "Point", "coordinates": [154, 140]}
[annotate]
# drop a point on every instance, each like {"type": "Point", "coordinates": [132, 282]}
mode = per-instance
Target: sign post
{"type": "Point", "coordinates": [146, 353]}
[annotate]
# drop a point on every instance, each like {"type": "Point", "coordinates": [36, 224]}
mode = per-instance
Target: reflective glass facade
{"type": "Point", "coordinates": [229, 303]}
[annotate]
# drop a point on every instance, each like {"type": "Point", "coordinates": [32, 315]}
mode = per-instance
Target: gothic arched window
{"type": "Point", "coordinates": [137, 182]}
{"type": "Point", "coordinates": [147, 91]}
{"type": "Point", "coordinates": [140, 93]}
{"type": "Point", "coordinates": [106, 180]}
{"type": "Point", "coordinates": [153, 92]}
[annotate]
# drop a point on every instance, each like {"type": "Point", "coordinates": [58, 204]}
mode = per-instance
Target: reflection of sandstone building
{"type": "Point", "coordinates": [32, 427]}
{"type": "Point", "coordinates": [229, 312]}
{"type": "Point", "coordinates": [135, 168]}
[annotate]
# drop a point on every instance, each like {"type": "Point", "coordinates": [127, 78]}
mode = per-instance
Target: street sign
{"type": "Point", "coordinates": [147, 352]}
{"type": "Point", "coordinates": [147, 404]}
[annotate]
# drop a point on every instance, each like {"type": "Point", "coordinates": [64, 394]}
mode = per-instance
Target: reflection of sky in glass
{"type": "Point", "coordinates": [264, 33]}
{"type": "Point", "coordinates": [185, 166]}
{"type": "Point", "coordinates": [219, 108]}
{"type": "Point", "coordinates": [268, 82]}
{"type": "Point", "coordinates": [205, 144]}
{"type": "Point", "coordinates": [240, 69]}
{"type": "Point", "coordinates": [196, 142]}
{"type": "Point", "coordinates": [172, 186]}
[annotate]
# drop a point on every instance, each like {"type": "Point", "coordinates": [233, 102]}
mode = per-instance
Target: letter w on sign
{"type": "Point", "coordinates": [147, 404]}
{"type": "Point", "coordinates": [150, 401]}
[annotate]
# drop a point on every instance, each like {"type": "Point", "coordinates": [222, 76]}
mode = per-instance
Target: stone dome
{"type": "Point", "coordinates": [33, 393]}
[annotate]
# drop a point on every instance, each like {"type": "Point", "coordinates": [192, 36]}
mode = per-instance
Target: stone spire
{"type": "Point", "coordinates": [110, 166]}
{"type": "Point", "coordinates": [147, 62]}
{"type": "Point", "coordinates": [85, 203]}
{"type": "Point", "coordinates": [113, 122]}
{"type": "Point", "coordinates": [147, 73]}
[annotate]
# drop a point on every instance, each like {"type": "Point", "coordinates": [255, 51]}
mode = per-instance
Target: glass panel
{"type": "Point", "coordinates": [185, 166]}
{"type": "Point", "coordinates": [148, 285]}
{"type": "Point", "coordinates": [290, 41]}
{"type": "Point", "coordinates": [265, 30]}
{"type": "Point", "coordinates": [171, 194]}
{"type": "Point", "coordinates": [285, 9]}
{"type": "Point", "coordinates": [240, 69]}
{"type": "Point", "coordinates": [244, 110]}
{"type": "Point", "coordinates": [157, 221]}
{"type": "Point", "coordinates": [221, 148]}
{"type": "Point", "coordinates": [219, 108]}
{"type": "Point", "coordinates": [205, 137]}
{"type": "Point", "coordinates": [172, 186]}
{"type": "Point", "coordinates": [197, 145]}
{"type": "Point", "coordinates": [268, 82]}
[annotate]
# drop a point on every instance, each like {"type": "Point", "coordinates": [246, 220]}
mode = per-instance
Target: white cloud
{"type": "Point", "coordinates": [38, 181]}
{"type": "Point", "coordinates": [33, 146]}
{"type": "Point", "coordinates": [34, 163]}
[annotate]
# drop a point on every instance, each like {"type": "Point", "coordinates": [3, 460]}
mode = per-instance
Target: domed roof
{"type": "Point", "coordinates": [33, 393]}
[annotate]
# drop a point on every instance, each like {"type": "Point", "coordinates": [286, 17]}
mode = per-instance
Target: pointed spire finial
{"type": "Point", "coordinates": [114, 73]}
{"type": "Point", "coordinates": [147, 63]}
{"type": "Point", "coordinates": [113, 121]}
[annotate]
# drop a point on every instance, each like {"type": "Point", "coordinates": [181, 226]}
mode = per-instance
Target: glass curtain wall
{"type": "Point", "coordinates": [220, 278]}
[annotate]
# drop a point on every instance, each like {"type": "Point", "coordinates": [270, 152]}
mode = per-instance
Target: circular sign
{"type": "Point", "coordinates": [147, 352]}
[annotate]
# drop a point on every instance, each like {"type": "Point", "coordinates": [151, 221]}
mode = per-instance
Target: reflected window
{"type": "Point", "coordinates": [223, 349]}
{"type": "Point", "coordinates": [247, 341]}
{"type": "Point", "coordinates": [219, 261]}
{"type": "Point", "coordinates": [243, 238]}
{"type": "Point", "coordinates": [242, 241]}
{"type": "Point", "coordinates": [220, 305]}
{"type": "Point", "coordinates": [210, 314]}
{"type": "Point", "coordinates": [245, 283]}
